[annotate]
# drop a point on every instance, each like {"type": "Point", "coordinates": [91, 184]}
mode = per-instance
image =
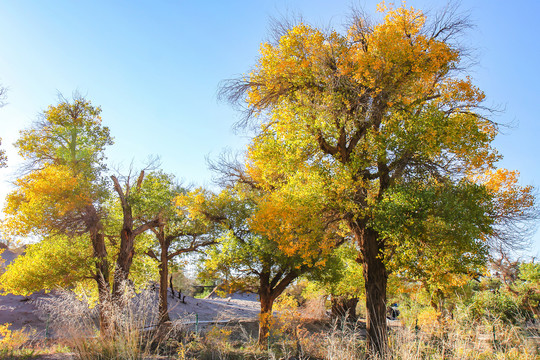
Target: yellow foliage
{"type": "Point", "coordinates": [11, 341]}
{"type": "Point", "coordinates": [44, 196]}
{"type": "Point", "coordinates": [428, 318]}
{"type": "Point", "coordinates": [218, 335]}
{"type": "Point", "coordinates": [510, 198]}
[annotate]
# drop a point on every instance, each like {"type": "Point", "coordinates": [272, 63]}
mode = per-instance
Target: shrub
{"type": "Point", "coordinates": [496, 305]}
{"type": "Point", "coordinates": [12, 343]}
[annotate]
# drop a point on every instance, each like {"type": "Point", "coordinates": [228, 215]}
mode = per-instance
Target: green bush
{"type": "Point", "coordinates": [496, 305]}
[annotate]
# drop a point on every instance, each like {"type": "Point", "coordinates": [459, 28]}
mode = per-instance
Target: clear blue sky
{"type": "Point", "coordinates": [155, 66]}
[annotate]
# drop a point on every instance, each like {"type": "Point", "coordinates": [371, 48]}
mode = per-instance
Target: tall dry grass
{"type": "Point", "coordinates": [134, 335]}
{"type": "Point", "coordinates": [463, 337]}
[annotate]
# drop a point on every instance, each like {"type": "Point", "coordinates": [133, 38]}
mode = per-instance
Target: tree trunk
{"type": "Point", "coordinates": [163, 282]}
{"type": "Point", "coordinates": [124, 260]}
{"type": "Point", "coordinates": [127, 238]}
{"type": "Point", "coordinates": [376, 277]}
{"type": "Point", "coordinates": [269, 290]}
{"type": "Point", "coordinates": [102, 278]}
{"type": "Point", "coordinates": [267, 301]}
{"type": "Point", "coordinates": [344, 307]}
{"type": "Point", "coordinates": [106, 324]}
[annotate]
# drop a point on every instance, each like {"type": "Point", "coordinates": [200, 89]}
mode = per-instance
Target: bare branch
{"type": "Point", "coordinates": [194, 247]}
{"type": "Point", "coordinates": [3, 96]}
{"type": "Point", "coordinates": [229, 170]}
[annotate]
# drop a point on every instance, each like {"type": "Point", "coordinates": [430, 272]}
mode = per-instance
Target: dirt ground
{"type": "Point", "coordinates": [24, 311]}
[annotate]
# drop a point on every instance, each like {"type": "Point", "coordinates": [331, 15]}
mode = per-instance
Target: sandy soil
{"type": "Point", "coordinates": [23, 311]}
{"type": "Point", "coordinates": [238, 306]}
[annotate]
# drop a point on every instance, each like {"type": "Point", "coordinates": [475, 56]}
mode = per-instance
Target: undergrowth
{"type": "Point", "coordinates": [293, 335]}
{"type": "Point", "coordinates": [12, 343]}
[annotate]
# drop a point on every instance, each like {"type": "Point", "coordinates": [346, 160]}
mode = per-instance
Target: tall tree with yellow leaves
{"type": "Point", "coordinates": [379, 117]}
{"type": "Point", "coordinates": [62, 190]}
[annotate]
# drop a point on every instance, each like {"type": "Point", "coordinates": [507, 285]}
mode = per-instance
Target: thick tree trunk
{"type": "Point", "coordinates": [101, 276]}
{"type": "Point", "coordinates": [344, 307]}
{"type": "Point", "coordinates": [376, 277]}
{"type": "Point", "coordinates": [127, 238]}
{"type": "Point", "coordinates": [267, 301]}
{"type": "Point", "coordinates": [106, 324]}
{"type": "Point", "coordinates": [163, 282]}
{"type": "Point", "coordinates": [124, 260]}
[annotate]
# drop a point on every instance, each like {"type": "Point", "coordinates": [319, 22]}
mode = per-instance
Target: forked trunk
{"type": "Point", "coordinates": [376, 277]}
{"type": "Point", "coordinates": [127, 238]}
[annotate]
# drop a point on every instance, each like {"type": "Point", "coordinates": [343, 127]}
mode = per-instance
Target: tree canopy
{"type": "Point", "coordinates": [382, 119]}
{"type": "Point", "coordinates": [63, 153]}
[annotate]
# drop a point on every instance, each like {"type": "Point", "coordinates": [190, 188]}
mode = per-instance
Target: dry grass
{"type": "Point", "coordinates": [452, 341]}
{"type": "Point", "coordinates": [461, 338]}
{"type": "Point", "coordinates": [134, 316]}
{"type": "Point", "coordinates": [291, 338]}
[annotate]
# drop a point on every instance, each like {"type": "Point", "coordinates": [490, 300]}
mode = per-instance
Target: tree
{"type": "Point", "coordinates": [251, 249]}
{"type": "Point", "coordinates": [377, 111]}
{"type": "Point", "coordinates": [177, 232]}
{"type": "Point", "coordinates": [132, 226]}
{"type": "Point", "coordinates": [63, 191]}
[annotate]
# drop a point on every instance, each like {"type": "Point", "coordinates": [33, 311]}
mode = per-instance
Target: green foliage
{"type": "Point", "coordinates": [530, 273]}
{"type": "Point", "coordinates": [500, 305]}
{"type": "Point", "coordinates": [341, 275]}
{"type": "Point", "coordinates": [429, 238]}
{"type": "Point", "coordinates": [144, 269]}
{"type": "Point", "coordinates": [155, 196]}
{"type": "Point", "coordinates": [68, 133]}
{"type": "Point", "coordinates": [528, 287]}
{"type": "Point", "coordinates": [56, 261]}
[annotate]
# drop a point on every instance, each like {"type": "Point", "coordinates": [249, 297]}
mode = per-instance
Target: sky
{"type": "Point", "coordinates": [155, 67]}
